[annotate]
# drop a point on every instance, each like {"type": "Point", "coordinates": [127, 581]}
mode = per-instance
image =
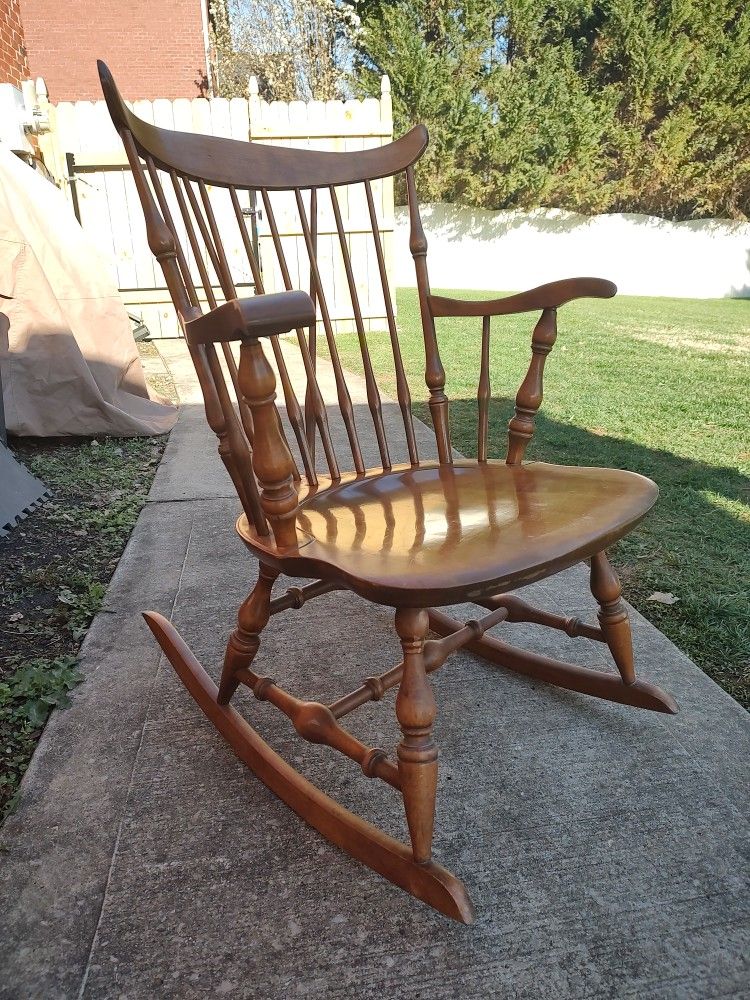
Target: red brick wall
{"type": "Point", "coordinates": [14, 66]}
{"type": "Point", "coordinates": [153, 47]}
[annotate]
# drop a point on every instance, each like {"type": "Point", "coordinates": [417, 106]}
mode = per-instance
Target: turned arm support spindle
{"type": "Point", "coordinates": [272, 461]}
{"type": "Point", "coordinates": [247, 320]}
{"type": "Point", "coordinates": [529, 395]}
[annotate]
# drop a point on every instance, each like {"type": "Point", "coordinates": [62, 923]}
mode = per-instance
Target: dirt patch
{"type": "Point", "coordinates": [55, 566]}
{"type": "Point", "coordinates": [694, 341]}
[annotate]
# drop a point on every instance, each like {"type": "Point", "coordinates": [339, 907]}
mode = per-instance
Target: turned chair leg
{"type": "Point", "coordinates": [243, 643]}
{"type": "Point", "coordinates": [613, 616]}
{"type": "Point", "coordinates": [417, 752]}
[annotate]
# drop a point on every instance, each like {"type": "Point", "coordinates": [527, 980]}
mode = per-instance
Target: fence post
{"type": "Point", "coordinates": [386, 101]}
{"type": "Point", "coordinates": [253, 104]}
{"type": "Point", "coordinates": [48, 143]}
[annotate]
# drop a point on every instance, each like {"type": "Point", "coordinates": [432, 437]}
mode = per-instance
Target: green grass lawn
{"type": "Point", "coordinates": [658, 386]}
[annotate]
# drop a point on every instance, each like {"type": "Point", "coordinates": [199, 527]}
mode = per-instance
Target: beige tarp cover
{"type": "Point", "coordinates": [68, 359]}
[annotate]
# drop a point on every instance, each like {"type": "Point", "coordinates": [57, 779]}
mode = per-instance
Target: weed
{"type": "Point", "coordinates": [56, 565]}
{"type": "Point", "coordinates": [27, 696]}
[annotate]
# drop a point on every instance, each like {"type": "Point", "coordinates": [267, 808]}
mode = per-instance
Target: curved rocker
{"type": "Point", "coordinates": [428, 881]}
{"type": "Point", "coordinates": [639, 694]}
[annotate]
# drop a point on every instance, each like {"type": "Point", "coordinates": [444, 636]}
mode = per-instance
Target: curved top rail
{"type": "Point", "coordinates": [232, 162]}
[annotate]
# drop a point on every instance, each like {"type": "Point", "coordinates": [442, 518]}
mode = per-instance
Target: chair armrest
{"type": "Point", "coordinates": [253, 317]}
{"type": "Point", "coordinates": [549, 296]}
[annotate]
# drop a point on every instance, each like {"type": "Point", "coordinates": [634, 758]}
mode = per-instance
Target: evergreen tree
{"type": "Point", "coordinates": [595, 105]}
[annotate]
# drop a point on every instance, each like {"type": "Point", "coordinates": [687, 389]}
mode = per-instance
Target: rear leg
{"type": "Point", "coordinates": [613, 615]}
{"type": "Point", "coordinates": [243, 643]}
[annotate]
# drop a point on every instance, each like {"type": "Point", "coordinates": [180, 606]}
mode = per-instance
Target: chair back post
{"type": "Point", "coordinates": [233, 448]}
{"type": "Point", "coordinates": [189, 185]}
{"type": "Point", "coordinates": [160, 238]}
{"type": "Point", "coordinates": [434, 371]}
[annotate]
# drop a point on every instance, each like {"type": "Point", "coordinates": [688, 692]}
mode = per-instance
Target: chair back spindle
{"type": "Point", "coordinates": [192, 189]}
{"type": "Point", "coordinates": [484, 393]}
{"type": "Point", "coordinates": [434, 371]}
{"type": "Point", "coordinates": [402, 385]}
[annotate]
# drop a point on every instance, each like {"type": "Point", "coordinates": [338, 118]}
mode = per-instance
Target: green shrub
{"type": "Point", "coordinates": [593, 106]}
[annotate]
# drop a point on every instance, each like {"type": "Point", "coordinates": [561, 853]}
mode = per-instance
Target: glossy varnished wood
{"type": "Point", "coordinates": [441, 533]}
{"type": "Point", "coordinates": [413, 536]}
{"type": "Point", "coordinates": [585, 680]}
{"type": "Point", "coordinates": [244, 642]}
{"type": "Point", "coordinates": [232, 162]}
{"type": "Point", "coordinates": [613, 615]}
{"type": "Point", "coordinates": [550, 296]}
{"type": "Point", "coordinates": [260, 316]}
{"type": "Point", "coordinates": [417, 752]}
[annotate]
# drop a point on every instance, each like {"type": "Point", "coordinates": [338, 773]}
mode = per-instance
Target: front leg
{"type": "Point", "coordinates": [417, 752]}
{"type": "Point", "coordinates": [243, 643]}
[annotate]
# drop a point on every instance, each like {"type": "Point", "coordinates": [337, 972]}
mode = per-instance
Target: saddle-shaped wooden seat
{"type": "Point", "coordinates": [411, 534]}
{"type": "Point", "coordinates": [461, 531]}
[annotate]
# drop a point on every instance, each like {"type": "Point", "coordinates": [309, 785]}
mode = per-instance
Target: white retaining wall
{"type": "Point", "coordinates": [507, 251]}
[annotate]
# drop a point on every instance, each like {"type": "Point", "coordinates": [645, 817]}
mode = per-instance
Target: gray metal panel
{"type": "Point", "coordinates": [20, 492]}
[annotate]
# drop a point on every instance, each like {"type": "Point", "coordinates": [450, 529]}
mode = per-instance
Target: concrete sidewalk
{"type": "Point", "coordinates": [602, 846]}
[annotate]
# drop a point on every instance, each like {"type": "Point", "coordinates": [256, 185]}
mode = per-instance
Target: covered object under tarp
{"type": "Point", "coordinates": [68, 360]}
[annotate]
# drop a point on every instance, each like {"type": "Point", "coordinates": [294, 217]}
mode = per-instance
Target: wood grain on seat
{"type": "Point", "coordinates": [440, 534]}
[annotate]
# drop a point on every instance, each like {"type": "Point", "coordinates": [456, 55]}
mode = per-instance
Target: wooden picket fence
{"type": "Point", "coordinates": [86, 157]}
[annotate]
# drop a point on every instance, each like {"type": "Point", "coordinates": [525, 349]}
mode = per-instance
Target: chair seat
{"type": "Point", "coordinates": [402, 535]}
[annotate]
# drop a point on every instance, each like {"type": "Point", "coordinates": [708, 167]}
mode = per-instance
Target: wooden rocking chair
{"type": "Point", "coordinates": [505, 524]}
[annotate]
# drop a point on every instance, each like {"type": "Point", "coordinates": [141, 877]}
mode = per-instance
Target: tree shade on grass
{"type": "Point", "coordinates": [658, 386]}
